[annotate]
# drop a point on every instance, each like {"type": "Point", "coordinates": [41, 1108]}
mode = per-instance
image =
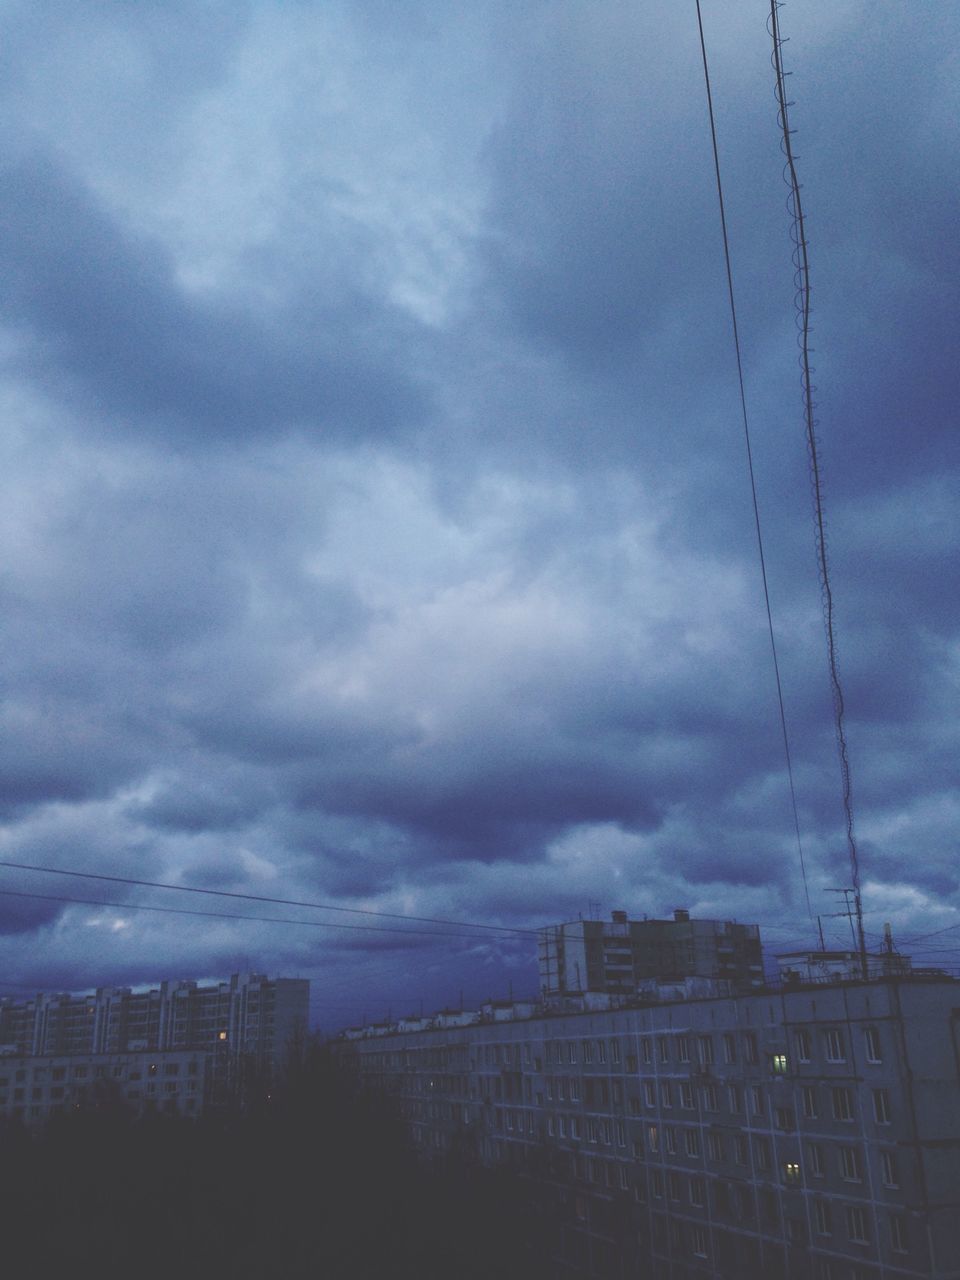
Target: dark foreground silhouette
{"type": "Point", "coordinates": [319, 1182]}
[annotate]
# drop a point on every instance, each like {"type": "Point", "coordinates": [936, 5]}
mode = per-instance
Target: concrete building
{"type": "Point", "coordinates": [244, 1025]}
{"type": "Point", "coordinates": [35, 1089]}
{"type": "Point", "coordinates": [618, 956]}
{"type": "Point", "coordinates": [809, 1131]}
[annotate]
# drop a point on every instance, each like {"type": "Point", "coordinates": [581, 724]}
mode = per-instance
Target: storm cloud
{"type": "Point", "coordinates": [375, 518]}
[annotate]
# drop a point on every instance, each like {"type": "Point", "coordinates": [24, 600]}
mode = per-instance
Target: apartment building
{"type": "Point", "coordinates": [809, 1131]}
{"type": "Point", "coordinates": [35, 1089]}
{"type": "Point", "coordinates": [243, 1026]}
{"type": "Point", "coordinates": [618, 956]}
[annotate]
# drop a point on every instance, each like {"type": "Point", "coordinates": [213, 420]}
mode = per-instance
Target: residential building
{"type": "Point", "coordinates": [245, 1025]}
{"type": "Point", "coordinates": [809, 1131]}
{"type": "Point", "coordinates": [35, 1089]}
{"type": "Point", "coordinates": [617, 957]}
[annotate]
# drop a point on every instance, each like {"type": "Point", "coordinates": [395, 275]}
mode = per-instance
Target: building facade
{"type": "Point", "coordinates": [810, 1132]}
{"type": "Point", "coordinates": [618, 956]}
{"type": "Point", "coordinates": [244, 1027]}
{"type": "Point", "coordinates": [34, 1090]}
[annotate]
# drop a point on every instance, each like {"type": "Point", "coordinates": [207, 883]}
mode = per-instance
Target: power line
{"type": "Point", "coordinates": [753, 483]}
{"type": "Point", "coordinates": [802, 278]}
{"type": "Point", "coordinates": [223, 915]}
{"type": "Point", "coordinates": [253, 897]}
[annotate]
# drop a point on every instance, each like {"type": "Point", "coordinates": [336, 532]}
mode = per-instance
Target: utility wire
{"type": "Point", "coordinates": [802, 263]}
{"type": "Point", "coordinates": [223, 915]}
{"type": "Point", "coordinates": [254, 897]}
{"type": "Point", "coordinates": [753, 483]}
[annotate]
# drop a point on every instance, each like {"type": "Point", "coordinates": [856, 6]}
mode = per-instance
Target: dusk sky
{"type": "Point", "coordinates": [375, 515]}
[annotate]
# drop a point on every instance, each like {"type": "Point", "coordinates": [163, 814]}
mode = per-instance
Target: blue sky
{"type": "Point", "coordinates": [376, 525]}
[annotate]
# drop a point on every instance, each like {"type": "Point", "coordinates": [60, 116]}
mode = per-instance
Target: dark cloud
{"type": "Point", "coordinates": [376, 527]}
{"type": "Point", "coordinates": [102, 308]}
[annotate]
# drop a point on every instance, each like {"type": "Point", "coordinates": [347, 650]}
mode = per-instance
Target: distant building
{"type": "Point", "coordinates": [244, 1026]}
{"type": "Point", "coordinates": [617, 957]}
{"type": "Point", "coordinates": [809, 1131]}
{"type": "Point", "coordinates": [34, 1090]}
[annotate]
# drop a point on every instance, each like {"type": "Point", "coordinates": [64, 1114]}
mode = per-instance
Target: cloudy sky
{"type": "Point", "coordinates": [375, 517]}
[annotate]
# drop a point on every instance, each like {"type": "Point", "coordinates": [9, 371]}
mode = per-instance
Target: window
{"type": "Point", "coordinates": [850, 1165]}
{"type": "Point", "coordinates": [761, 1149]}
{"type": "Point", "coordinates": [711, 1098]}
{"type": "Point", "coordinates": [663, 1048]}
{"type": "Point", "coordinates": [673, 1185]}
{"type": "Point", "coordinates": [822, 1223]}
{"type": "Point", "coordinates": [898, 1233]}
{"type": "Point", "coordinates": [705, 1050]}
{"type": "Point", "coordinates": [756, 1100]}
{"type": "Point", "coordinates": [574, 1090]}
{"type": "Point", "coordinates": [601, 1051]}
{"type": "Point", "coordinates": [791, 1173]}
{"type": "Point", "coordinates": [587, 1050]}
{"type": "Point", "coordinates": [665, 1097]}
{"type": "Point", "coordinates": [698, 1192]}
{"type": "Point", "coordinates": [750, 1047]}
{"type": "Point", "coordinates": [686, 1095]}
{"type": "Point", "coordinates": [615, 1051]}
{"type": "Point", "coordinates": [815, 1159]}
{"type": "Point", "coordinates": [882, 1112]}
{"type": "Point", "coordinates": [670, 1140]}
{"type": "Point", "coordinates": [653, 1138]}
{"type": "Point", "coordinates": [784, 1118]}
{"type": "Point", "coordinates": [809, 1099]}
{"type": "Point", "coordinates": [842, 1103]}
{"type": "Point", "coordinates": [632, 1064]}
{"type": "Point", "coordinates": [649, 1093]}
{"type": "Point", "coordinates": [714, 1146]}
{"type": "Point", "coordinates": [657, 1181]}
{"type": "Point", "coordinates": [624, 1177]}
{"type": "Point", "coordinates": [617, 1090]}
{"type": "Point", "coordinates": [645, 1049]}
{"type": "Point", "coordinates": [691, 1140]}
{"type": "Point", "coordinates": [729, 1048]}
{"type": "Point", "coordinates": [871, 1044]}
{"type": "Point", "coordinates": [698, 1241]}
{"type": "Point", "coordinates": [888, 1169]}
{"type": "Point", "coordinates": [857, 1229]}
{"type": "Point", "coordinates": [801, 1040]}
{"type": "Point", "coordinates": [740, 1150]}
{"type": "Point", "coordinates": [735, 1098]}
{"type": "Point", "coordinates": [778, 1064]}
{"type": "Point", "coordinates": [833, 1044]}
{"type": "Point", "coordinates": [621, 1134]}
{"type": "Point", "coordinates": [683, 1048]}
{"type": "Point", "coordinates": [571, 1051]}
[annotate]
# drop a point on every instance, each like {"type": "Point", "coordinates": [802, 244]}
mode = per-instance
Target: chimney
{"type": "Point", "coordinates": [681, 914]}
{"type": "Point", "coordinates": [618, 917]}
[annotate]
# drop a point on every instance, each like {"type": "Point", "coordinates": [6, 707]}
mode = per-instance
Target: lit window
{"type": "Point", "coordinates": [791, 1173]}
{"type": "Point", "coordinates": [779, 1064]}
{"type": "Point", "coordinates": [222, 1035]}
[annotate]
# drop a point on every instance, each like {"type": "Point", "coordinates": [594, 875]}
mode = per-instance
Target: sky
{"type": "Point", "coordinates": [376, 525]}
